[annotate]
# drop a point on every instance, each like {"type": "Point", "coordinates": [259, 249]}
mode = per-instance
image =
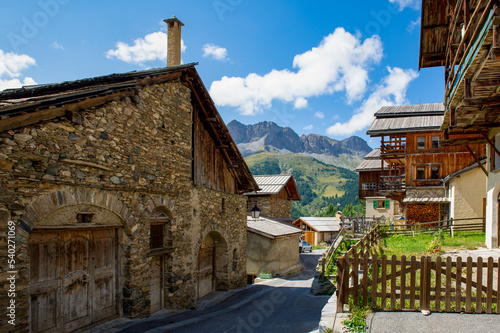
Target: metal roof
{"type": "Point", "coordinates": [322, 224]}
{"type": "Point", "coordinates": [271, 228]}
{"type": "Point", "coordinates": [273, 184]}
{"type": "Point", "coordinates": [370, 165]}
{"type": "Point", "coordinates": [410, 110]}
{"type": "Point", "coordinates": [373, 155]}
{"type": "Point", "coordinates": [381, 126]}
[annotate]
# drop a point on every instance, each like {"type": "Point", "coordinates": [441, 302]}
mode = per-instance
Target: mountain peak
{"type": "Point", "coordinates": [269, 136]}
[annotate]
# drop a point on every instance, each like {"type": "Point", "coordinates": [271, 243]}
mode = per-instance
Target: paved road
{"type": "Point", "coordinates": [277, 305]}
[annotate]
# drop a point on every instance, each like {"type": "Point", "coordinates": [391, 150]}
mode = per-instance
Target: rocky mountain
{"type": "Point", "coordinates": [267, 136]}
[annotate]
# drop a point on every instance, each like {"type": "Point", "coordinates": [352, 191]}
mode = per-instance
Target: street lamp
{"type": "Point", "coordinates": [338, 206]}
{"type": "Point", "coordinates": [255, 212]}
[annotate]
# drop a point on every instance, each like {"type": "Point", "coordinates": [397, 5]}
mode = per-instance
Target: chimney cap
{"type": "Point", "coordinates": [172, 20]}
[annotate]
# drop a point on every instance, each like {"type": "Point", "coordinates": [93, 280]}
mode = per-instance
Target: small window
{"type": "Point", "coordinates": [435, 142]}
{"type": "Point", "coordinates": [420, 173]}
{"type": "Point", "coordinates": [421, 142]}
{"type": "Point", "coordinates": [156, 236]}
{"type": "Point", "coordinates": [435, 173]}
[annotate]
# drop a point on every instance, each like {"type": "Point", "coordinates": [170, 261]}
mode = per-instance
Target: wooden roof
{"type": "Point", "coordinates": [273, 184]}
{"type": "Point", "coordinates": [407, 118]}
{"type": "Point", "coordinates": [371, 162]}
{"type": "Point", "coordinates": [32, 104]}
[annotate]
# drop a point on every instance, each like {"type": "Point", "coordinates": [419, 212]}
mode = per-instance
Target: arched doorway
{"type": "Point", "coordinates": [213, 264]}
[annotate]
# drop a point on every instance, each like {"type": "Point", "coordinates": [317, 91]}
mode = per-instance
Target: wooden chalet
{"type": "Point", "coordinates": [417, 161]}
{"type": "Point", "coordinates": [370, 172]}
{"type": "Point", "coordinates": [463, 36]}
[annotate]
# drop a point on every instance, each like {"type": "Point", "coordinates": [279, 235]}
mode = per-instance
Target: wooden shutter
{"type": "Point", "coordinates": [387, 204]}
{"type": "Point", "coordinates": [375, 204]}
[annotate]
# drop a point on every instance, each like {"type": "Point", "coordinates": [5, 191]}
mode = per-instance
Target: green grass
{"type": "Point", "coordinates": [418, 245]}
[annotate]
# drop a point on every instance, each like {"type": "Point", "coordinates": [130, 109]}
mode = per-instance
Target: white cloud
{"type": "Point", "coordinates": [151, 47]}
{"type": "Point", "coordinates": [391, 91]}
{"type": "Point", "coordinates": [300, 103]}
{"type": "Point", "coordinates": [308, 127]}
{"type": "Point", "coordinates": [57, 45]}
{"type": "Point", "coordinates": [11, 66]}
{"type": "Point", "coordinates": [339, 63]}
{"type": "Point", "coordinates": [319, 115]}
{"type": "Point", "coordinates": [214, 52]}
{"type": "Point", "coordinates": [413, 25]}
{"type": "Point", "coordinates": [414, 4]}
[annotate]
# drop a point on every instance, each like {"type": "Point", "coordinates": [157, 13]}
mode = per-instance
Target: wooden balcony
{"type": "Point", "coordinates": [393, 147]}
{"type": "Point", "coordinates": [392, 183]}
{"type": "Point", "coordinates": [471, 60]}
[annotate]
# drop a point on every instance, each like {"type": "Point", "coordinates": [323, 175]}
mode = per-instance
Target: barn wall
{"type": "Point", "coordinates": [127, 158]}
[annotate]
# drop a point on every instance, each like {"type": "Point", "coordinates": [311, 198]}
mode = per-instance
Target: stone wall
{"type": "Point", "coordinates": [271, 206]}
{"type": "Point", "coordinates": [125, 159]}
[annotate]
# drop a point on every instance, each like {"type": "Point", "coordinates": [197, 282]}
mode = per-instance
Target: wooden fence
{"type": "Point", "coordinates": [443, 285]}
{"type": "Point", "coordinates": [451, 225]}
{"type": "Point", "coordinates": [359, 225]}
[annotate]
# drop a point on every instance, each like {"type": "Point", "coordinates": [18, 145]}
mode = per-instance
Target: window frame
{"type": "Point", "coordinates": [437, 142]}
{"type": "Point", "coordinates": [421, 142]}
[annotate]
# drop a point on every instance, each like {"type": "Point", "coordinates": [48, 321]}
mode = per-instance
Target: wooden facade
{"type": "Point", "coordinates": [368, 184]}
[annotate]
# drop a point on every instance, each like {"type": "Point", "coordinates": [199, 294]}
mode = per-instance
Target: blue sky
{"type": "Point", "coordinates": [316, 66]}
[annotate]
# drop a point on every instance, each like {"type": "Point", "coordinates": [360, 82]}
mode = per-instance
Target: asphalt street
{"type": "Point", "coordinates": [276, 305]}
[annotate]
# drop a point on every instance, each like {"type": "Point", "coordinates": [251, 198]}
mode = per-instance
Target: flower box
{"type": "Point", "coordinates": [265, 275]}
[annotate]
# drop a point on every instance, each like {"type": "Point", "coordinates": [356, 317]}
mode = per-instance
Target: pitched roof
{"type": "Point", "coordinates": [322, 224]}
{"type": "Point", "coordinates": [271, 228]}
{"type": "Point", "coordinates": [31, 104]}
{"type": "Point", "coordinates": [273, 184]}
{"type": "Point", "coordinates": [407, 118]}
{"type": "Point", "coordinates": [371, 162]}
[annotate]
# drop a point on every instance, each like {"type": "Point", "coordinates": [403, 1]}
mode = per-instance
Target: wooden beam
{"type": "Point", "coordinates": [480, 67]}
{"type": "Point", "coordinates": [492, 145]}
{"type": "Point", "coordinates": [52, 113]}
{"type": "Point", "coordinates": [481, 102]}
{"type": "Point", "coordinates": [486, 83]}
{"type": "Point", "coordinates": [477, 160]}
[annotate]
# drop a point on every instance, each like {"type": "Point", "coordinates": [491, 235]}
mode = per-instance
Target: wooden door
{"type": "Point", "coordinates": [104, 274]}
{"type": "Point", "coordinates": [75, 279]}
{"type": "Point", "coordinates": [206, 264]}
{"type": "Point", "coordinates": [44, 282]}
{"type": "Point", "coordinates": [156, 291]}
{"type": "Point", "coordinates": [72, 278]}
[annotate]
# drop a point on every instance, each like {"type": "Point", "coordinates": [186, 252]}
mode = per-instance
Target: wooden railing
{"type": "Point", "coordinates": [451, 225]}
{"type": "Point", "coordinates": [392, 183]}
{"type": "Point", "coordinates": [449, 285]}
{"type": "Point", "coordinates": [457, 60]}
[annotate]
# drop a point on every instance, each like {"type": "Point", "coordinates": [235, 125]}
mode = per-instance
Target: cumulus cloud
{"type": "Point", "coordinates": [339, 63]}
{"type": "Point", "coordinates": [11, 66]}
{"type": "Point", "coordinates": [308, 127]}
{"type": "Point", "coordinates": [300, 103]}
{"type": "Point", "coordinates": [414, 4]}
{"type": "Point", "coordinates": [391, 91]}
{"type": "Point", "coordinates": [214, 52]}
{"type": "Point", "coordinates": [151, 47]}
{"type": "Point", "coordinates": [319, 115]}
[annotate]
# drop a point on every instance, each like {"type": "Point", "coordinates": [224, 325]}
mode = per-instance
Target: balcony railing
{"type": "Point", "coordinates": [392, 183]}
{"type": "Point", "coordinates": [396, 145]}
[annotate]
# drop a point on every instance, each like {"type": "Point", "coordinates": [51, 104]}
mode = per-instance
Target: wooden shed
{"type": "Point", "coordinates": [318, 229]}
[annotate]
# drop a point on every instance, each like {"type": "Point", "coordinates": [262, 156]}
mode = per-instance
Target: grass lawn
{"type": "Point", "coordinates": [419, 244]}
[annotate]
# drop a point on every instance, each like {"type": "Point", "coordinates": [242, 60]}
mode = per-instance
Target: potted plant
{"type": "Point", "coordinates": [265, 275]}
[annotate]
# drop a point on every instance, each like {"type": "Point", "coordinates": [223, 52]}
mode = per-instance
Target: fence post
{"type": "Point", "coordinates": [340, 283]}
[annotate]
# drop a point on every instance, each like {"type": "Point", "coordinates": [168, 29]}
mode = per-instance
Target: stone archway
{"type": "Point", "coordinates": [213, 264]}
{"type": "Point", "coordinates": [74, 258]}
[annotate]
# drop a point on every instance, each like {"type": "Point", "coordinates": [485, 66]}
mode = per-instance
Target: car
{"type": "Point", "coordinates": [305, 247]}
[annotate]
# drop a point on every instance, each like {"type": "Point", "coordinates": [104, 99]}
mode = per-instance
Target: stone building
{"type": "Point", "coordinates": [125, 191]}
{"type": "Point", "coordinates": [274, 198]}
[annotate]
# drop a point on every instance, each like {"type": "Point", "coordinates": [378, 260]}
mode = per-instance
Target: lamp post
{"type": "Point", "coordinates": [338, 206]}
{"type": "Point", "coordinates": [255, 212]}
